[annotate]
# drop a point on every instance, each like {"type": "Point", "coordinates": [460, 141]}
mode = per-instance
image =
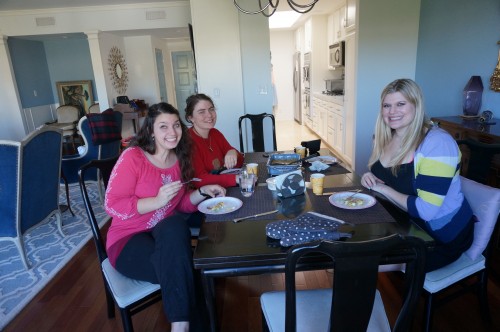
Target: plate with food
{"type": "Point", "coordinates": [329, 160]}
{"type": "Point", "coordinates": [220, 205]}
{"type": "Point", "coordinates": [351, 201]}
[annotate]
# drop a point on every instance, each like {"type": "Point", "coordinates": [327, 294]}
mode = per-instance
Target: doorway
{"type": "Point", "coordinates": [184, 78]}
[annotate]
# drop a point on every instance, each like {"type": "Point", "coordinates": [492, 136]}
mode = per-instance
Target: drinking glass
{"type": "Point", "coordinates": [247, 184]}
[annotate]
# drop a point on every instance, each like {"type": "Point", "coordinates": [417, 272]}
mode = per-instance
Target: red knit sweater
{"type": "Point", "coordinates": [208, 156]}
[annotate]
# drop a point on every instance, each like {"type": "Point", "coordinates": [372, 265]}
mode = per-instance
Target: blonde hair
{"type": "Point", "coordinates": [416, 131]}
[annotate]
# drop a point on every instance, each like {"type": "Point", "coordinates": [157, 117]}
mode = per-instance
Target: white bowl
{"type": "Point", "coordinates": [271, 183]}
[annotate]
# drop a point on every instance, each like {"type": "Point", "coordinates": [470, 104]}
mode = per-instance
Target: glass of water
{"type": "Point", "coordinates": [247, 184]}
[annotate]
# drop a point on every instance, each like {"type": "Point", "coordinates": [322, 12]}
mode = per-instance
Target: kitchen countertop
{"type": "Point", "coordinates": [339, 100]}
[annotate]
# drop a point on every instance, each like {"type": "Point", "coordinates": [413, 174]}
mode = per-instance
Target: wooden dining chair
{"type": "Point", "coordinates": [130, 295]}
{"type": "Point", "coordinates": [353, 303]}
{"type": "Point", "coordinates": [257, 130]}
{"type": "Point", "coordinates": [470, 271]}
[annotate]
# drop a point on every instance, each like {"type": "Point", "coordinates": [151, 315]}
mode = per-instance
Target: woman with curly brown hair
{"type": "Point", "coordinates": [147, 239]}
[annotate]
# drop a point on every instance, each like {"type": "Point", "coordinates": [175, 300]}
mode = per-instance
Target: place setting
{"type": "Point", "coordinates": [247, 201]}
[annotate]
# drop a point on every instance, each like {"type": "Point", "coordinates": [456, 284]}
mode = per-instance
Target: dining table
{"type": "Point", "coordinates": [226, 248]}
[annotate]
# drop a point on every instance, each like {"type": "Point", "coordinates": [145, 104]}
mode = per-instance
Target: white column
{"type": "Point", "coordinates": [99, 70]}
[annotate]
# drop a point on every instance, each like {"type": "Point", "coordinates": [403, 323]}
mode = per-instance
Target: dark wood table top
{"type": "Point", "coordinates": [225, 248]}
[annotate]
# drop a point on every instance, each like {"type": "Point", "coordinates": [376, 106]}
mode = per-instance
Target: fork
{"type": "Point", "coordinates": [357, 192]}
{"type": "Point", "coordinates": [192, 180]}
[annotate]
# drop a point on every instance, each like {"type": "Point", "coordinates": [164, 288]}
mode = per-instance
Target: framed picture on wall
{"type": "Point", "coordinates": [78, 93]}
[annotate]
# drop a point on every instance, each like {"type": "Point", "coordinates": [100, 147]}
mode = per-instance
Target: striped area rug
{"type": "Point", "coordinates": [47, 250]}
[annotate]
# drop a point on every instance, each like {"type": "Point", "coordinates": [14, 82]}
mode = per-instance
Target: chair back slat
{"type": "Point", "coordinates": [257, 129]}
{"type": "Point", "coordinates": [355, 266]}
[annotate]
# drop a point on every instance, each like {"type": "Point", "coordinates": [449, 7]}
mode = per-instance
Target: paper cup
{"type": "Point", "coordinates": [271, 183]}
{"type": "Point", "coordinates": [317, 183]}
{"type": "Point", "coordinates": [252, 168]}
{"type": "Point", "coordinates": [301, 151]}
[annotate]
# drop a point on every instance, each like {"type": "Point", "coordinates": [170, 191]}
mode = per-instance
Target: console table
{"type": "Point", "coordinates": [463, 128]}
{"type": "Point", "coordinates": [130, 113]}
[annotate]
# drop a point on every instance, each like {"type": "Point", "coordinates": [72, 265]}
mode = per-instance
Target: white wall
{"type": "Point", "coordinates": [282, 50]}
{"type": "Point", "coordinates": [387, 35]}
{"type": "Point", "coordinates": [218, 61]}
{"type": "Point", "coordinates": [143, 78]}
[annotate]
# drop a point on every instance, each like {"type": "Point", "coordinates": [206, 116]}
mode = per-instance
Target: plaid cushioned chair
{"type": "Point", "coordinates": [92, 151]}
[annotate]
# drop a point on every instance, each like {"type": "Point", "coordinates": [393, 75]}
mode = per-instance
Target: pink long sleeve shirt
{"type": "Point", "coordinates": [135, 177]}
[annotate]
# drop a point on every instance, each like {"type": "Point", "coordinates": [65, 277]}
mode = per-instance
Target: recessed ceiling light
{"type": "Point", "coordinates": [283, 19]}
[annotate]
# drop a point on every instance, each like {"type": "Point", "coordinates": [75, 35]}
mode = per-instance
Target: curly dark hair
{"type": "Point", "coordinates": [144, 138]}
{"type": "Point", "coordinates": [191, 102]}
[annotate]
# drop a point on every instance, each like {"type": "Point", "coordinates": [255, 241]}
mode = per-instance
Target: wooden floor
{"type": "Point", "coordinates": [74, 301]}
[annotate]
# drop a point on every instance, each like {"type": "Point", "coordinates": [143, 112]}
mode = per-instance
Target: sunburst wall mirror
{"type": "Point", "coordinates": [118, 70]}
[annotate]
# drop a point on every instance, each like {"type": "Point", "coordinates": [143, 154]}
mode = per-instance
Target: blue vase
{"type": "Point", "coordinates": [473, 95]}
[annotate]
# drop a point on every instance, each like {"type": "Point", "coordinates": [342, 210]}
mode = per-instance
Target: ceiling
{"type": "Point", "coordinates": [322, 7]}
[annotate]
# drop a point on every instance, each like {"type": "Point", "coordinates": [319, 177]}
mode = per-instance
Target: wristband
{"type": "Point", "coordinates": [203, 194]}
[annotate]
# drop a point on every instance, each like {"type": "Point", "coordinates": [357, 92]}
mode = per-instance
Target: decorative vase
{"type": "Point", "coordinates": [473, 95]}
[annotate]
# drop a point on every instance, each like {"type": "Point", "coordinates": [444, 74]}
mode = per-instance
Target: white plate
{"type": "Point", "coordinates": [229, 204]}
{"type": "Point", "coordinates": [329, 160]}
{"type": "Point", "coordinates": [231, 171]}
{"type": "Point", "coordinates": [365, 201]}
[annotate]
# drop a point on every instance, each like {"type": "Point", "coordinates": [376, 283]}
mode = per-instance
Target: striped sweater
{"type": "Point", "coordinates": [440, 202]}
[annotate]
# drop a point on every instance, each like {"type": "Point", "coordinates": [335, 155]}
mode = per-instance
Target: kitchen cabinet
{"type": "Point", "coordinates": [338, 24]}
{"type": "Point", "coordinates": [299, 40]}
{"type": "Point", "coordinates": [315, 37]}
{"type": "Point", "coordinates": [308, 36]}
{"type": "Point", "coordinates": [329, 121]}
{"type": "Point", "coordinates": [350, 15]}
{"type": "Point", "coordinates": [330, 38]}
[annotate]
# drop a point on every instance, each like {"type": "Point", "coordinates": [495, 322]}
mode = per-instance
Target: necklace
{"type": "Point", "coordinates": [209, 139]}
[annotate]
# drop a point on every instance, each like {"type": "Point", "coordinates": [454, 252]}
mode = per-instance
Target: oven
{"type": "Point", "coordinates": [306, 100]}
{"type": "Point", "coordinates": [306, 78]}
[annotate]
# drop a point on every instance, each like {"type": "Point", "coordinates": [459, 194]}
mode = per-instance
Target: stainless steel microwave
{"type": "Point", "coordinates": [336, 57]}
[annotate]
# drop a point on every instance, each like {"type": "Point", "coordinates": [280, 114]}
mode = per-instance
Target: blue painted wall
{"type": "Point", "coordinates": [457, 39]}
{"type": "Point", "coordinates": [38, 66]}
{"type": "Point", "coordinates": [69, 60]}
{"type": "Point", "coordinates": [32, 74]}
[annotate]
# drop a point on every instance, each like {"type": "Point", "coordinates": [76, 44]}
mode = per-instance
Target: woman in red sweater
{"type": "Point", "coordinates": [212, 151]}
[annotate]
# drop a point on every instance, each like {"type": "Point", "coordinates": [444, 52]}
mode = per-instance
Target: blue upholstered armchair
{"type": "Point", "coordinates": [71, 164]}
{"type": "Point", "coordinates": [29, 184]}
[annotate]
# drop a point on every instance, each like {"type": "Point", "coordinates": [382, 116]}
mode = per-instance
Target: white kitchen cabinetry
{"type": "Point", "coordinates": [308, 36]}
{"type": "Point", "coordinates": [338, 23]}
{"type": "Point", "coordinates": [330, 38]}
{"type": "Point", "coordinates": [329, 121]}
{"type": "Point", "coordinates": [299, 40]}
{"type": "Point", "coordinates": [350, 15]}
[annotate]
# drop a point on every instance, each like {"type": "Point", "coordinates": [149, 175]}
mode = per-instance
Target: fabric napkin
{"type": "Point", "coordinates": [318, 166]}
{"type": "Point", "coordinates": [305, 228]}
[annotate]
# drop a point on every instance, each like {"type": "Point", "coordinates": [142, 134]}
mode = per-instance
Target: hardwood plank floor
{"type": "Point", "coordinates": [74, 300]}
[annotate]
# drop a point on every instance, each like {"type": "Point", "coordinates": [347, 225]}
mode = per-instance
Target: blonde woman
{"type": "Point", "coordinates": [416, 166]}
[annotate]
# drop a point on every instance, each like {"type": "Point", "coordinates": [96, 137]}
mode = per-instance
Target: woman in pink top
{"type": "Point", "coordinates": [148, 240]}
{"type": "Point", "coordinates": [212, 151]}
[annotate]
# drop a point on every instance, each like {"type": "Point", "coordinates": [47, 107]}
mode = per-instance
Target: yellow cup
{"type": "Point", "coordinates": [301, 151]}
{"type": "Point", "coordinates": [253, 168]}
{"type": "Point", "coordinates": [317, 183]}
